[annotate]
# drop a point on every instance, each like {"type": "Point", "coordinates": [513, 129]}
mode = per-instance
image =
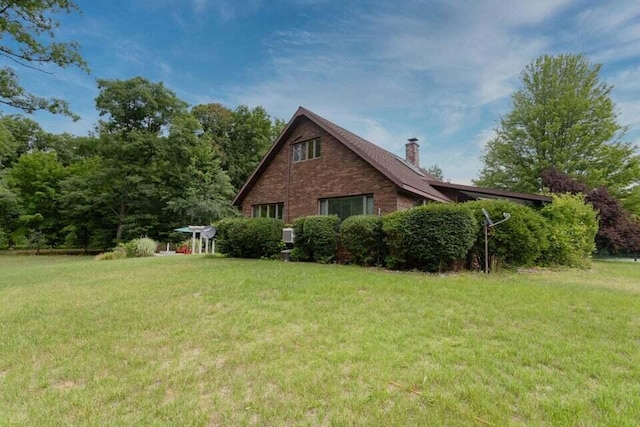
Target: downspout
{"type": "Point", "coordinates": [289, 154]}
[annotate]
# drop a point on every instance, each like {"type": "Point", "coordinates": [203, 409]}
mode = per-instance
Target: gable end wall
{"type": "Point", "coordinates": [338, 172]}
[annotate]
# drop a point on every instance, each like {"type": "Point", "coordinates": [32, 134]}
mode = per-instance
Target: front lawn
{"type": "Point", "coordinates": [192, 340]}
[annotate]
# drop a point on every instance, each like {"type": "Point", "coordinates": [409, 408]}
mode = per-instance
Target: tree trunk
{"type": "Point", "coordinates": [121, 217]}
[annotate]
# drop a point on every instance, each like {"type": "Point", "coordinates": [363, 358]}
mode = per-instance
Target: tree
{"type": "Point", "coordinates": [9, 213]}
{"type": "Point", "coordinates": [436, 172]}
{"type": "Point", "coordinates": [18, 135]}
{"type": "Point", "coordinates": [137, 105]}
{"type": "Point", "coordinates": [158, 168]}
{"type": "Point", "coordinates": [138, 112]}
{"type": "Point", "coordinates": [562, 118]}
{"type": "Point", "coordinates": [85, 199]}
{"type": "Point", "coordinates": [241, 136]}
{"type": "Point", "coordinates": [35, 179]}
{"type": "Point", "coordinates": [28, 31]}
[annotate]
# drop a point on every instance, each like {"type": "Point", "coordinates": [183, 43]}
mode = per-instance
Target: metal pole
{"type": "Point", "coordinates": [486, 248]}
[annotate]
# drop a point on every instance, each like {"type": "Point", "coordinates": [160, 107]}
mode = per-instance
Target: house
{"type": "Point", "coordinates": [317, 167]}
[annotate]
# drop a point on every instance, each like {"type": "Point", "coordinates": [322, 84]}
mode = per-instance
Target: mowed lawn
{"type": "Point", "coordinates": [195, 340]}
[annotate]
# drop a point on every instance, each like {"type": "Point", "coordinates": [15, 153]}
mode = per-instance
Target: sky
{"type": "Point", "coordinates": [442, 71]}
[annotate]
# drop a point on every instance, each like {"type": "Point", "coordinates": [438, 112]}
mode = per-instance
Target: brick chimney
{"type": "Point", "coordinates": [412, 152]}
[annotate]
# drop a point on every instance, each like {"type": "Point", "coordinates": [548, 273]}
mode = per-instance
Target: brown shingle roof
{"type": "Point", "coordinates": [402, 173]}
{"type": "Point", "coordinates": [406, 176]}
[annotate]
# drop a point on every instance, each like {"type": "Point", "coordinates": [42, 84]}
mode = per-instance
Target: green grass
{"type": "Point", "coordinates": [211, 341]}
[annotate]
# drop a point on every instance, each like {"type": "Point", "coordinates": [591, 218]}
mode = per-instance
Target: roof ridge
{"type": "Point", "coordinates": [411, 177]}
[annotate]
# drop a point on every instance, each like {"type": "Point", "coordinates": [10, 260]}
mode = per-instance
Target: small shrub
{"type": "Point", "coordinates": [143, 247]}
{"type": "Point", "coordinates": [573, 225]}
{"type": "Point", "coordinates": [432, 238]}
{"type": "Point", "coordinates": [362, 236]}
{"type": "Point", "coordinates": [301, 249]}
{"type": "Point", "coordinates": [316, 238]}
{"type": "Point", "coordinates": [520, 241]}
{"type": "Point", "coordinates": [118, 253]}
{"type": "Point", "coordinates": [250, 237]}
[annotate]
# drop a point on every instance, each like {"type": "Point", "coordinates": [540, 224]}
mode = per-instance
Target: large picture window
{"type": "Point", "coordinates": [306, 150]}
{"type": "Point", "coordinates": [271, 210]}
{"type": "Point", "coordinates": [345, 207]}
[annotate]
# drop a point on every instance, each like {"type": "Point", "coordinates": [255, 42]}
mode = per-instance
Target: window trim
{"type": "Point", "coordinates": [367, 201]}
{"type": "Point", "coordinates": [307, 153]}
{"type": "Point", "coordinates": [277, 208]}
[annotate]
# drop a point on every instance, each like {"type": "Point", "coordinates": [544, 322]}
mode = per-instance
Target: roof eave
{"type": "Point", "coordinates": [437, 197]}
{"type": "Point", "coordinates": [491, 191]}
{"type": "Point", "coordinates": [242, 193]}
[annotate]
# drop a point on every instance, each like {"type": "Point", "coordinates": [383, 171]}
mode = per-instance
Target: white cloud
{"type": "Point", "coordinates": [481, 139]}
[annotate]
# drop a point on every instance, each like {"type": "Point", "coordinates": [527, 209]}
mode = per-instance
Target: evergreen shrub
{"type": "Point", "coordinates": [362, 237]}
{"type": "Point", "coordinates": [250, 237]}
{"type": "Point", "coordinates": [520, 241]}
{"type": "Point", "coordinates": [429, 238]}
{"type": "Point", "coordinates": [316, 238]}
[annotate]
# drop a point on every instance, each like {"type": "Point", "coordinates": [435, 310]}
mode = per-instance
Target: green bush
{"type": "Point", "coordinates": [142, 247]}
{"type": "Point", "coordinates": [362, 236]}
{"type": "Point", "coordinates": [316, 238]}
{"type": "Point", "coordinates": [301, 249]}
{"type": "Point", "coordinates": [430, 238]}
{"type": "Point", "coordinates": [119, 252]}
{"type": "Point", "coordinates": [520, 241]}
{"type": "Point", "coordinates": [574, 225]}
{"type": "Point", "coordinates": [250, 237]}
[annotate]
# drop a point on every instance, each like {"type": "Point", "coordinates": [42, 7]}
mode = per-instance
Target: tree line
{"type": "Point", "coordinates": [151, 165]}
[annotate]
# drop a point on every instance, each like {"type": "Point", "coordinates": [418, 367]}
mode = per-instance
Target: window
{"type": "Point", "coordinates": [306, 150]}
{"type": "Point", "coordinates": [271, 210]}
{"type": "Point", "coordinates": [345, 207]}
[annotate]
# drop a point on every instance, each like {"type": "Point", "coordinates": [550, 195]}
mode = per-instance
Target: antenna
{"type": "Point", "coordinates": [487, 218]}
{"type": "Point", "coordinates": [488, 223]}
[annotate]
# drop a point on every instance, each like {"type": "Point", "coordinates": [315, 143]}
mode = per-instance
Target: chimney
{"type": "Point", "coordinates": [412, 154]}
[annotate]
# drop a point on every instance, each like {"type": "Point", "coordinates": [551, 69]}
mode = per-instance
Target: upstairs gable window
{"type": "Point", "coordinates": [306, 150]}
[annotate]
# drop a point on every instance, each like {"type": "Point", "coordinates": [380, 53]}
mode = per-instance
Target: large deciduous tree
{"type": "Point", "coordinates": [160, 167]}
{"type": "Point", "coordinates": [241, 136]}
{"type": "Point", "coordinates": [35, 178]}
{"type": "Point", "coordinates": [27, 40]}
{"type": "Point", "coordinates": [137, 112]}
{"type": "Point", "coordinates": [562, 118]}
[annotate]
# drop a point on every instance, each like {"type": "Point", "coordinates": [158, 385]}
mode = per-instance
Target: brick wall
{"type": "Point", "coordinates": [405, 202]}
{"type": "Point", "coordinates": [338, 172]}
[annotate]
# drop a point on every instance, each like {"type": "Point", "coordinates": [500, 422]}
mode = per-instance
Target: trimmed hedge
{"type": "Point", "coordinates": [575, 225]}
{"type": "Point", "coordinates": [431, 237]}
{"type": "Point", "coordinates": [250, 237]}
{"type": "Point", "coordinates": [520, 241]}
{"type": "Point", "coordinates": [316, 238]}
{"type": "Point", "coordinates": [362, 237]}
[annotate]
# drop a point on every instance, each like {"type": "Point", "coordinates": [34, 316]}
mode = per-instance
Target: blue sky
{"type": "Point", "coordinates": [441, 71]}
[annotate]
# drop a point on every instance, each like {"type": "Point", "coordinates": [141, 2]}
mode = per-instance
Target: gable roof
{"type": "Point", "coordinates": [406, 176]}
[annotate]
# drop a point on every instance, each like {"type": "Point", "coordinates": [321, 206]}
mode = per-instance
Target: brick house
{"type": "Point", "coordinates": [317, 167]}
